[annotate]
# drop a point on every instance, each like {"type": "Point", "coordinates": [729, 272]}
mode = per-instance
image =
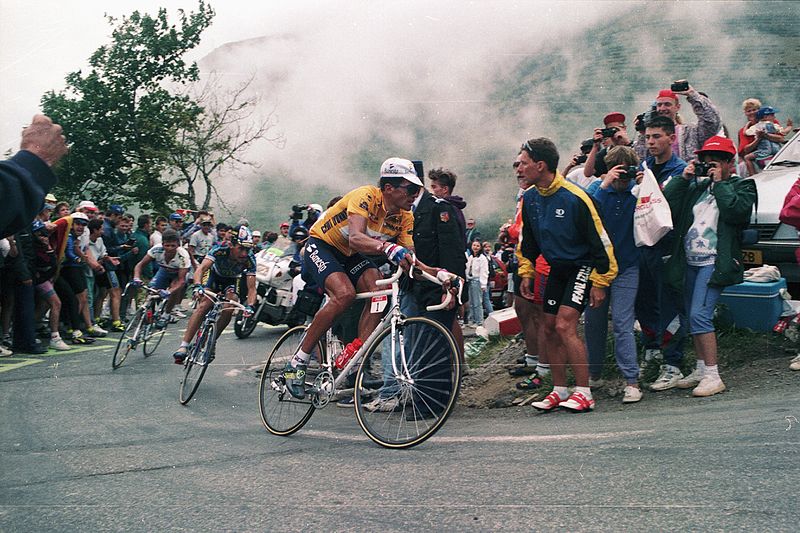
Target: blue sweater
{"type": "Point", "coordinates": [616, 210]}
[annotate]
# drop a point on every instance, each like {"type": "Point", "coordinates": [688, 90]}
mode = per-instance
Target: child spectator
{"type": "Point", "coordinates": [616, 205]}
{"type": "Point", "coordinates": [769, 135]}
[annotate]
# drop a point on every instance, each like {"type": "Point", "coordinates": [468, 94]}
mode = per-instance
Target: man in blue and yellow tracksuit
{"type": "Point", "coordinates": [560, 222]}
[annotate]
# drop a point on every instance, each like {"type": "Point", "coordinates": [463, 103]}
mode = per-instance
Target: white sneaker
{"type": "Point", "coordinates": [667, 379]}
{"type": "Point", "coordinates": [96, 331]}
{"type": "Point", "coordinates": [178, 314]}
{"type": "Point", "coordinates": [5, 352]}
{"type": "Point", "coordinates": [57, 343]}
{"type": "Point", "coordinates": [632, 394]}
{"type": "Point", "coordinates": [794, 364]}
{"type": "Point", "coordinates": [692, 380]}
{"type": "Point", "coordinates": [709, 386]}
{"type": "Point", "coordinates": [383, 405]}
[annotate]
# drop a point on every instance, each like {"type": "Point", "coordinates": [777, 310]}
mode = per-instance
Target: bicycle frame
{"type": "Point", "coordinates": [388, 321]}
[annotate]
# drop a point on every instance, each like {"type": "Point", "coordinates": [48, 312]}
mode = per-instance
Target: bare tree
{"type": "Point", "coordinates": [217, 138]}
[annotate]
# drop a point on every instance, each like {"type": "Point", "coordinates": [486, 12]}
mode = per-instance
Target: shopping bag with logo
{"type": "Point", "coordinates": [652, 218]}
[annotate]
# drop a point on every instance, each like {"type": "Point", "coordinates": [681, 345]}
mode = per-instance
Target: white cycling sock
{"type": "Point", "coordinates": [300, 358]}
{"type": "Point", "coordinates": [711, 371]}
{"type": "Point", "coordinates": [531, 360]}
{"type": "Point", "coordinates": [184, 344]}
{"type": "Point", "coordinates": [562, 392]}
{"type": "Point", "coordinates": [586, 391]}
{"type": "Point", "coordinates": [543, 369]}
{"type": "Point", "coordinates": [701, 367]}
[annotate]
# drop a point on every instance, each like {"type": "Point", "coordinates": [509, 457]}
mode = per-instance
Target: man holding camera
{"type": "Point", "coordinates": [689, 137]}
{"type": "Point", "coordinates": [613, 134]}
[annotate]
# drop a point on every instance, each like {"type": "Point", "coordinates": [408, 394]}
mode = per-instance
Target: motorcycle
{"type": "Point", "coordinates": [274, 277]}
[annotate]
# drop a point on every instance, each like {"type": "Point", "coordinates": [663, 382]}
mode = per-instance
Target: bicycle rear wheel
{"type": "Point", "coordinates": [281, 413]}
{"type": "Point", "coordinates": [194, 368]}
{"type": "Point", "coordinates": [127, 341]}
{"type": "Point", "coordinates": [153, 335]}
{"type": "Point", "coordinates": [408, 409]}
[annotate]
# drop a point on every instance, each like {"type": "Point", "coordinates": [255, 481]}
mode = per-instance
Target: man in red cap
{"type": "Point", "coordinates": [615, 125]}
{"type": "Point", "coordinates": [688, 137]}
{"type": "Point", "coordinates": [711, 206]}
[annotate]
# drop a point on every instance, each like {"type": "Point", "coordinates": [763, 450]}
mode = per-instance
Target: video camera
{"type": "Point", "coordinates": [297, 212]}
{"type": "Point", "coordinates": [644, 118]}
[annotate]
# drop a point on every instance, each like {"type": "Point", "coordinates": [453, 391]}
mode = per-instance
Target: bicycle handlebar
{"type": "Point", "coordinates": [441, 277]}
{"type": "Point", "coordinates": [145, 287]}
{"type": "Point", "coordinates": [216, 298]}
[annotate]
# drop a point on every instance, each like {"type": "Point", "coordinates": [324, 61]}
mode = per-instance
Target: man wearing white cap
{"type": "Point", "coordinates": [362, 223]}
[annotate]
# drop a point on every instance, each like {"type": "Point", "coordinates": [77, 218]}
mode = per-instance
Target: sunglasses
{"type": "Point", "coordinates": [411, 189]}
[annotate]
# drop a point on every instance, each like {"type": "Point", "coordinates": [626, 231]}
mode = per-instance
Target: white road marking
{"type": "Point", "coordinates": [495, 438]}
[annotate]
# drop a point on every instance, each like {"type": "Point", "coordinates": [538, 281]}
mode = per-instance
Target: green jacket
{"type": "Point", "coordinates": [143, 244]}
{"type": "Point", "coordinates": [735, 198]}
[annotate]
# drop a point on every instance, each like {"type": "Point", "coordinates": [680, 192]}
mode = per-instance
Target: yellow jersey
{"type": "Point", "coordinates": [367, 201]}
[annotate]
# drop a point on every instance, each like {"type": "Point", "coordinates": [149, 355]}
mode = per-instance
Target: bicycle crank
{"type": "Point", "coordinates": [322, 392]}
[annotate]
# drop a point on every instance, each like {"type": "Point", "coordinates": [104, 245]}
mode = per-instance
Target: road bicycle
{"type": "Point", "coordinates": [414, 361]}
{"type": "Point", "coordinates": [147, 327]}
{"type": "Point", "coordinates": [202, 350]}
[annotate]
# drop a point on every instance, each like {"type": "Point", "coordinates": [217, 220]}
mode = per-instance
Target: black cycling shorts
{"type": "Point", "coordinates": [320, 260]}
{"type": "Point", "coordinates": [568, 286]}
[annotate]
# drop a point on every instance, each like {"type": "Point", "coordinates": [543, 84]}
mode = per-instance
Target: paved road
{"type": "Point", "coordinates": [84, 448]}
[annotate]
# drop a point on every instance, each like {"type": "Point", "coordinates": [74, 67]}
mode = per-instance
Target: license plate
{"type": "Point", "coordinates": [752, 257]}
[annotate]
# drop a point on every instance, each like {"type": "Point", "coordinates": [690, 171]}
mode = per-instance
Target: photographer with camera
{"type": "Point", "coordinates": [312, 215]}
{"type": "Point", "coordinates": [574, 170]}
{"type": "Point", "coordinates": [616, 205]}
{"type": "Point", "coordinates": [689, 137]}
{"type": "Point", "coordinates": [613, 134]}
{"type": "Point", "coordinates": [710, 206]}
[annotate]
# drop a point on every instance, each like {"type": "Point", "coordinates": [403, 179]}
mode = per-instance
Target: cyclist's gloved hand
{"type": "Point", "coordinates": [395, 253]}
{"type": "Point", "coordinates": [164, 293]}
{"type": "Point", "coordinates": [248, 311]}
{"type": "Point", "coordinates": [198, 290]}
{"type": "Point", "coordinates": [136, 282]}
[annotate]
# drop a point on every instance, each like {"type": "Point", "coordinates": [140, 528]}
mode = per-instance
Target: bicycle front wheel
{"type": "Point", "coordinates": [128, 340]}
{"type": "Point", "coordinates": [194, 368]}
{"type": "Point", "coordinates": [152, 334]}
{"type": "Point", "coordinates": [419, 390]}
{"type": "Point", "coordinates": [282, 413]}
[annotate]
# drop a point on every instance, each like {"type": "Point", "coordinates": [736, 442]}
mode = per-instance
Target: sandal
{"type": "Point", "coordinates": [531, 383]}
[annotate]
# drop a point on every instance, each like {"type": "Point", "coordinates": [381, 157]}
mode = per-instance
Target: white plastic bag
{"type": "Point", "coordinates": [652, 218]}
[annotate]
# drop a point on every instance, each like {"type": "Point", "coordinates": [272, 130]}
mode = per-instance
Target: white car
{"type": "Point", "coordinates": [777, 242]}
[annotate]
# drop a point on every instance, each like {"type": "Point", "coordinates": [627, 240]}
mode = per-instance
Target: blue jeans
{"type": "Point", "coordinates": [621, 296]}
{"type": "Point", "coordinates": [475, 301]}
{"type": "Point", "coordinates": [408, 306]}
{"type": "Point", "coordinates": [657, 306]}
{"type": "Point", "coordinates": [487, 302]}
{"type": "Point", "coordinates": [701, 298]}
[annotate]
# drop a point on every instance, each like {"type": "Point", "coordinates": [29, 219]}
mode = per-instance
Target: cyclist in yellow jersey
{"type": "Point", "coordinates": [365, 221]}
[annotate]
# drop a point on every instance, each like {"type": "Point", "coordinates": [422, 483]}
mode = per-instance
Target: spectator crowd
{"type": "Point", "coordinates": [569, 250]}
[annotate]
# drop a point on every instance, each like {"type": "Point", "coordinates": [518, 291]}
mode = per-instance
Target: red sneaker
{"type": "Point", "coordinates": [578, 403]}
{"type": "Point", "coordinates": [550, 402]}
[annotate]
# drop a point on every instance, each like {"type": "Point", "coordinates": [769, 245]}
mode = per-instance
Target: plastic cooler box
{"type": "Point", "coordinates": [757, 306]}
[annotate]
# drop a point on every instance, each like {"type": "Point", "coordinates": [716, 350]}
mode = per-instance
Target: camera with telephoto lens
{"type": "Point", "coordinates": [701, 169]}
{"type": "Point", "coordinates": [608, 132]}
{"type": "Point", "coordinates": [297, 211]}
{"type": "Point", "coordinates": [581, 159]}
{"type": "Point", "coordinates": [643, 119]}
{"type": "Point", "coordinates": [629, 173]}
